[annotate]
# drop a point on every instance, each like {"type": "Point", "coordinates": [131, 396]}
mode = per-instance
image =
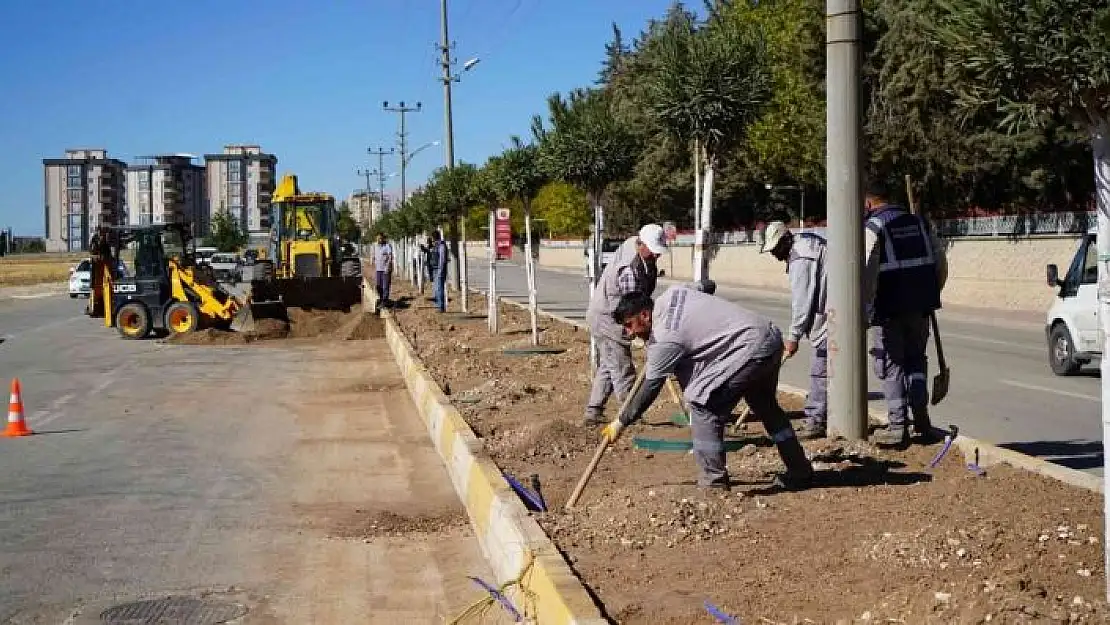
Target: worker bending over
{"type": "Point", "coordinates": [720, 353]}
{"type": "Point", "coordinates": [805, 256]}
{"type": "Point", "coordinates": [904, 272]}
{"type": "Point", "coordinates": [632, 270]}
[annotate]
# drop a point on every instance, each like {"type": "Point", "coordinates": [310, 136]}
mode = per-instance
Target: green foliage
{"type": "Point", "coordinates": [226, 235]}
{"type": "Point", "coordinates": [564, 209]}
{"type": "Point", "coordinates": [346, 225]}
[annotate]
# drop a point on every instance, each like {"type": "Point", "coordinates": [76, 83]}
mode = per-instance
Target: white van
{"type": "Point", "coordinates": [1074, 335]}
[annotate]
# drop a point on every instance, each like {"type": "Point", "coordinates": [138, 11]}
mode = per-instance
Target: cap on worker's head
{"type": "Point", "coordinates": [772, 234]}
{"type": "Point", "coordinates": [652, 236]}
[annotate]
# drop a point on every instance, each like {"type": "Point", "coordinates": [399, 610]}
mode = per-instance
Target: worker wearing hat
{"type": "Point", "coordinates": [805, 256]}
{"type": "Point", "coordinates": [632, 270]}
{"type": "Point", "coordinates": [720, 353]}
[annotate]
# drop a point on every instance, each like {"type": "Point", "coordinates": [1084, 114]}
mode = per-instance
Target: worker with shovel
{"type": "Point", "coordinates": [720, 353]}
{"type": "Point", "coordinates": [905, 269]}
{"type": "Point", "coordinates": [805, 256]}
{"type": "Point", "coordinates": [632, 270]}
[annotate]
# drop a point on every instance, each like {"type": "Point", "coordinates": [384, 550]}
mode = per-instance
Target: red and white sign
{"type": "Point", "coordinates": [503, 231]}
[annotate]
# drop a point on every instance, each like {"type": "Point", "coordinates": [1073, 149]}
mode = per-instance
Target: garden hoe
{"type": "Point", "coordinates": [940, 382]}
{"type": "Point", "coordinates": [601, 447]}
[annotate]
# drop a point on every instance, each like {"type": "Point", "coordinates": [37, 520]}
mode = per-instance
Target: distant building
{"type": "Point", "coordinates": [167, 189]}
{"type": "Point", "coordinates": [82, 190]}
{"type": "Point", "coordinates": [365, 207]}
{"type": "Point", "coordinates": [241, 182]}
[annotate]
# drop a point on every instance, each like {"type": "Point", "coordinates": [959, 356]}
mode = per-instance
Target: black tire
{"type": "Point", "coordinates": [182, 318]}
{"type": "Point", "coordinates": [133, 321]}
{"type": "Point", "coordinates": [350, 268]}
{"type": "Point", "coordinates": [1061, 351]}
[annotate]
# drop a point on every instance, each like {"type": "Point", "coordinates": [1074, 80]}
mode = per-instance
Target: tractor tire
{"type": "Point", "coordinates": [133, 321]}
{"type": "Point", "coordinates": [182, 318]}
{"type": "Point", "coordinates": [350, 268]}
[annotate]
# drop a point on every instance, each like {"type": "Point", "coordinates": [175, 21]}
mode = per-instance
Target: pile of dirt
{"type": "Point", "coordinates": [323, 325]}
{"type": "Point", "coordinates": [880, 538]}
{"type": "Point", "coordinates": [365, 524]}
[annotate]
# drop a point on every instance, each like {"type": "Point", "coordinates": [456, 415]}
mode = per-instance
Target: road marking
{"type": "Point", "coordinates": [1054, 391]}
{"type": "Point", "coordinates": [979, 339]}
{"type": "Point", "coordinates": [35, 295]}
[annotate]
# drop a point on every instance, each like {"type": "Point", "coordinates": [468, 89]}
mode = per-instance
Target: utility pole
{"type": "Point", "coordinates": [461, 270]}
{"type": "Point", "coordinates": [402, 109]}
{"type": "Point", "coordinates": [381, 154]}
{"type": "Point", "coordinates": [847, 380]}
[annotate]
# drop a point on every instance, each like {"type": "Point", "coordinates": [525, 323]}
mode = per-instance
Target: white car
{"type": "Point", "coordinates": [80, 278]}
{"type": "Point", "coordinates": [1071, 325]}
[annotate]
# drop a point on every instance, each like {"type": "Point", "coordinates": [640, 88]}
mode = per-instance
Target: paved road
{"type": "Point", "coordinates": [251, 472]}
{"type": "Point", "coordinates": [1002, 389]}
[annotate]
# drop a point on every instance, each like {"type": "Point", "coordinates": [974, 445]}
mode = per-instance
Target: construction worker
{"type": "Point", "coordinates": [439, 278]}
{"type": "Point", "coordinates": [720, 353]}
{"type": "Point", "coordinates": [383, 268]}
{"type": "Point", "coordinates": [804, 256]}
{"type": "Point", "coordinates": [632, 270]}
{"type": "Point", "coordinates": [905, 269]}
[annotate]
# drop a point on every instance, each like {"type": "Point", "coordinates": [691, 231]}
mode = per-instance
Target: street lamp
{"type": "Point", "coordinates": [801, 190]}
{"type": "Point", "coordinates": [471, 63]}
{"type": "Point", "coordinates": [420, 149]}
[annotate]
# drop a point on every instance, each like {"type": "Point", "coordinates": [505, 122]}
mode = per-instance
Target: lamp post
{"type": "Point", "coordinates": [802, 192]}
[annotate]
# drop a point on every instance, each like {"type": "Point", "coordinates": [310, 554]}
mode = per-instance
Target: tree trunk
{"type": "Point", "coordinates": [464, 271]}
{"type": "Point", "coordinates": [492, 312]}
{"type": "Point", "coordinates": [697, 197]}
{"type": "Point", "coordinates": [1100, 145]}
{"type": "Point", "coordinates": [593, 267]}
{"type": "Point", "coordinates": [701, 240]}
{"type": "Point", "coordinates": [530, 270]}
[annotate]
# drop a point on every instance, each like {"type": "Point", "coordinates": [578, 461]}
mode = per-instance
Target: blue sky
{"type": "Point", "coordinates": [306, 80]}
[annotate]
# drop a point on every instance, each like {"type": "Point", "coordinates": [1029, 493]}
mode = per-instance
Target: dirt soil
{"type": "Point", "coordinates": [880, 539]}
{"type": "Point", "coordinates": [316, 325]}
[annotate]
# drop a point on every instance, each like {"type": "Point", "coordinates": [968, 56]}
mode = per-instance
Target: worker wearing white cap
{"type": "Point", "coordinates": [632, 270]}
{"type": "Point", "coordinates": [804, 256]}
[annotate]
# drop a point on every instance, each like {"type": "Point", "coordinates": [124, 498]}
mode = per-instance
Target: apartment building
{"type": "Point", "coordinates": [365, 207]}
{"type": "Point", "coordinates": [167, 189]}
{"type": "Point", "coordinates": [240, 181]}
{"type": "Point", "coordinates": [82, 190]}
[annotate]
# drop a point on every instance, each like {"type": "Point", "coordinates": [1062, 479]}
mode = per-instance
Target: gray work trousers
{"type": "Point", "coordinates": [614, 373]}
{"type": "Point", "coordinates": [756, 383]}
{"type": "Point", "coordinates": [898, 354]}
{"type": "Point", "coordinates": [817, 401]}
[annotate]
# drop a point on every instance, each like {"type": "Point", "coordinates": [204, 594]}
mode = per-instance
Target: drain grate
{"type": "Point", "coordinates": [173, 611]}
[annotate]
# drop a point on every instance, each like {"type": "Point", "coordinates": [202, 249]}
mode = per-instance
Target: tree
{"type": "Point", "coordinates": [518, 176]}
{"type": "Point", "coordinates": [709, 87]}
{"type": "Point", "coordinates": [226, 235]}
{"type": "Point", "coordinates": [346, 225]}
{"type": "Point", "coordinates": [1032, 60]}
{"type": "Point", "coordinates": [564, 208]}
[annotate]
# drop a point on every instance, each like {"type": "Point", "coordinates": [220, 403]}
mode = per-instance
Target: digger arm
{"type": "Point", "coordinates": [209, 304]}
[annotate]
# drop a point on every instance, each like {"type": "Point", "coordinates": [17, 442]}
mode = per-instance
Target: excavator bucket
{"type": "Point", "coordinates": [264, 302]}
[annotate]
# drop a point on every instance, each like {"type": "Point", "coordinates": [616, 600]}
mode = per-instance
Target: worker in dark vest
{"type": "Point", "coordinates": [905, 269]}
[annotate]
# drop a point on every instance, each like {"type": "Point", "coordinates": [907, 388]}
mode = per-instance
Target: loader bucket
{"type": "Point", "coordinates": [264, 302]}
{"type": "Point", "coordinates": [331, 293]}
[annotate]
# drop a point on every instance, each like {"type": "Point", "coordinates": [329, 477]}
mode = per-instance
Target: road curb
{"type": "Point", "coordinates": [511, 540]}
{"type": "Point", "coordinates": [989, 453]}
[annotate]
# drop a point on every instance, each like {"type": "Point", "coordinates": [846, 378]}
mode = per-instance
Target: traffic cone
{"type": "Point", "coordinates": [16, 424]}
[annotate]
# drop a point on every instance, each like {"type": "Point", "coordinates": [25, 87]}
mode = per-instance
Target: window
{"type": "Point", "coordinates": [1090, 264]}
{"type": "Point", "coordinates": [73, 171]}
{"type": "Point", "coordinates": [74, 196]}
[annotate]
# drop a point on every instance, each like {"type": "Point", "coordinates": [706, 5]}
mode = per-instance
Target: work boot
{"type": "Point", "coordinates": [724, 486]}
{"type": "Point", "coordinates": [812, 430]}
{"type": "Point", "coordinates": [923, 427]}
{"type": "Point", "coordinates": [793, 479]}
{"type": "Point", "coordinates": [594, 419]}
{"type": "Point", "coordinates": [893, 435]}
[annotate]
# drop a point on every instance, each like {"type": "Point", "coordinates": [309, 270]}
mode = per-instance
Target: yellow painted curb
{"type": "Point", "coordinates": [513, 542]}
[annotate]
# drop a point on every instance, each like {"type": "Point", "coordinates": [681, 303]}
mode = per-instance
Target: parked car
{"type": "Point", "coordinates": [204, 254]}
{"type": "Point", "coordinates": [1072, 327]}
{"type": "Point", "coordinates": [226, 267]}
{"type": "Point", "coordinates": [80, 278]}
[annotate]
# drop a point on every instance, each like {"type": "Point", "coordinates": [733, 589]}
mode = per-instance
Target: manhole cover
{"type": "Point", "coordinates": [173, 611]}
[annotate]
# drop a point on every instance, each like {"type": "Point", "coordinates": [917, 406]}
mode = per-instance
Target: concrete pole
{"type": "Point", "coordinates": [461, 272]}
{"type": "Point", "coordinates": [847, 377]}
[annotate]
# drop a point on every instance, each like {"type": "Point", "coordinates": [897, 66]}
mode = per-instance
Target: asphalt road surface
{"type": "Point", "coordinates": [251, 474]}
{"type": "Point", "coordinates": [1002, 389]}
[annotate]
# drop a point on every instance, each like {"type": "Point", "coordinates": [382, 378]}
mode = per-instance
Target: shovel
{"type": "Point", "coordinates": [940, 382]}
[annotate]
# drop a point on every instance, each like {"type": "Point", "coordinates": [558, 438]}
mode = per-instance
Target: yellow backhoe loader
{"type": "Point", "coordinates": [164, 291]}
{"type": "Point", "coordinates": [306, 266]}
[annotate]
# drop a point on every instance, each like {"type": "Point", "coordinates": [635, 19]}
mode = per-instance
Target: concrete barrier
{"type": "Point", "coordinates": [994, 273]}
{"type": "Point", "coordinates": [516, 547]}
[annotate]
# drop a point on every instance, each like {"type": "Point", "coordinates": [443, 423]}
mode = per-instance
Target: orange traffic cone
{"type": "Point", "coordinates": [16, 425]}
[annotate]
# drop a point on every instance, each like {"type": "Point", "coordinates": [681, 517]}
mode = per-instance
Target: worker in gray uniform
{"type": "Point", "coordinates": [720, 353]}
{"type": "Point", "coordinates": [632, 270]}
{"type": "Point", "coordinates": [805, 256]}
{"type": "Point", "coordinates": [905, 269]}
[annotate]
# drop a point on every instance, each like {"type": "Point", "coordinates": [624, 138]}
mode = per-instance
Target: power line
{"type": "Point", "coordinates": [403, 136]}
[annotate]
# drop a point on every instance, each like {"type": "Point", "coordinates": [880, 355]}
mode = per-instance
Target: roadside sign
{"type": "Point", "coordinates": [670, 231]}
{"type": "Point", "coordinates": [503, 231]}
